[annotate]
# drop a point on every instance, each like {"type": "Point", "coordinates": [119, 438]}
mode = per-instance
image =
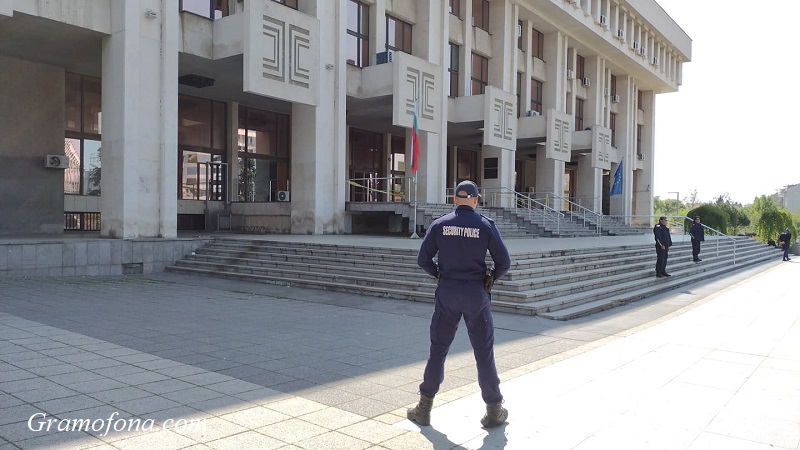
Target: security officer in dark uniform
{"type": "Point", "coordinates": [461, 238]}
{"type": "Point", "coordinates": [698, 235]}
{"type": "Point", "coordinates": [785, 239]}
{"type": "Point", "coordinates": [663, 243]}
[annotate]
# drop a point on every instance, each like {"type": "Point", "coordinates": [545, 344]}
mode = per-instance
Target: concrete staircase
{"type": "Point", "coordinates": [509, 228]}
{"type": "Point", "coordinates": [560, 285]}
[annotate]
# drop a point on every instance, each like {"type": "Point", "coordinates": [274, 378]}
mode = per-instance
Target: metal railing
{"type": "Point", "coordinates": [678, 227]}
{"type": "Point", "coordinates": [531, 207]}
{"type": "Point", "coordinates": [575, 210]}
{"type": "Point", "coordinates": [380, 189]}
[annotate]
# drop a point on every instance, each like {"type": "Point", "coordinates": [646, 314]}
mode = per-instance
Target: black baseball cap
{"type": "Point", "coordinates": [662, 218]}
{"type": "Point", "coordinates": [467, 189]}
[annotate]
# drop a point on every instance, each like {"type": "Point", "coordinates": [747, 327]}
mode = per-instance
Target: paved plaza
{"type": "Point", "coordinates": [169, 361]}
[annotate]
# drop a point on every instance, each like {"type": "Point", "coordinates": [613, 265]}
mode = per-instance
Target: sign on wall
{"type": "Point", "coordinates": [415, 79]}
{"type": "Point", "coordinates": [499, 118]}
{"type": "Point", "coordinates": [281, 53]}
{"type": "Point", "coordinates": [601, 147]}
{"type": "Point", "coordinates": [559, 136]}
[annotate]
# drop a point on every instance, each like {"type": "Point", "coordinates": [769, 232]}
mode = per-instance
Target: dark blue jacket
{"type": "Point", "coordinates": [662, 235]}
{"type": "Point", "coordinates": [697, 232]}
{"type": "Point", "coordinates": [461, 239]}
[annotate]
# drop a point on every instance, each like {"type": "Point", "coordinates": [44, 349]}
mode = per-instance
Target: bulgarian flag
{"type": "Point", "coordinates": [415, 143]}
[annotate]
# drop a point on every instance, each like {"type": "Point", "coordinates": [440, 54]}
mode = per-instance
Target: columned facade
{"type": "Point", "coordinates": [277, 116]}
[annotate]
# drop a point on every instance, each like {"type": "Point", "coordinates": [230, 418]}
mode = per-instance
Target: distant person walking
{"type": "Point", "coordinates": [663, 243]}
{"type": "Point", "coordinates": [698, 235]}
{"type": "Point", "coordinates": [784, 239]}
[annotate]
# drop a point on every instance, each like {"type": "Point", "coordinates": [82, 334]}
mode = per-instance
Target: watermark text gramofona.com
{"type": "Point", "coordinates": [40, 422]}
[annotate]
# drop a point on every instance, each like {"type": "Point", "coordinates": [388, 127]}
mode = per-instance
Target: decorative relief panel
{"type": "Point", "coordinates": [499, 118]}
{"type": "Point", "coordinates": [601, 147]}
{"type": "Point", "coordinates": [415, 79]}
{"type": "Point", "coordinates": [281, 52]}
{"type": "Point", "coordinates": [559, 136]}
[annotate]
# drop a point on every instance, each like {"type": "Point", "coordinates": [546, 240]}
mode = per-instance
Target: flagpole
{"type": "Point", "coordinates": [414, 235]}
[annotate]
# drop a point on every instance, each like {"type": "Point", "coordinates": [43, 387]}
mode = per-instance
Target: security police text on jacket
{"type": "Point", "coordinates": [461, 238]}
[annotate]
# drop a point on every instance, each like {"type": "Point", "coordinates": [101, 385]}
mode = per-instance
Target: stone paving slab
{"type": "Point", "coordinates": [341, 369]}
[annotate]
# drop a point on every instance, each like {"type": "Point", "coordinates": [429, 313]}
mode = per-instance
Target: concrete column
{"type": "Point", "coordinates": [319, 170]}
{"type": "Point", "coordinates": [504, 44]}
{"type": "Point", "coordinates": [589, 185]}
{"type": "Point", "coordinates": [140, 114]}
{"type": "Point", "coordinates": [549, 174]}
{"type": "Point", "coordinates": [555, 53]}
{"type": "Point", "coordinates": [377, 29]}
{"type": "Point", "coordinates": [626, 144]}
{"type": "Point", "coordinates": [498, 188]}
{"type": "Point", "coordinates": [465, 62]}
{"type": "Point", "coordinates": [642, 186]}
{"type": "Point", "coordinates": [595, 99]}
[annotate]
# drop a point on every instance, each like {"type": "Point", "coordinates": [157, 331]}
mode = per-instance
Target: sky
{"type": "Point", "coordinates": [732, 127]}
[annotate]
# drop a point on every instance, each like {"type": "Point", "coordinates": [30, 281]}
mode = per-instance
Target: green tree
{"type": "Point", "coordinates": [736, 214]}
{"type": "Point", "coordinates": [712, 216]}
{"type": "Point", "coordinates": [772, 222]}
{"type": "Point", "coordinates": [668, 207]}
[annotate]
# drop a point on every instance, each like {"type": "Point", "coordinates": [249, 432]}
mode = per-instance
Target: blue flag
{"type": "Point", "coordinates": [616, 188]}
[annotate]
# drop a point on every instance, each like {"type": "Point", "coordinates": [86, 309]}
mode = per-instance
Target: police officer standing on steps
{"type": "Point", "coordinates": [461, 238]}
{"type": "Point", "coordinates": [698, 235]}
{"type": "Point", "coordinates": [663, 243]}
{"type": "Point", "coordinates": [785, 239]}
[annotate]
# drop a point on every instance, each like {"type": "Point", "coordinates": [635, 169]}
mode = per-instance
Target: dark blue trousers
{"type": "Point", "coordinates": [456, 299]}
{"type": "Point", "coordinates": [661, 260]}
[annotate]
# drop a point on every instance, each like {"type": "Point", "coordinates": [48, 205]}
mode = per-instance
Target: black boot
{"type": "Point", "coordinates": [421, 414]}
{"type": "Point", "coordinates": [495, 415]}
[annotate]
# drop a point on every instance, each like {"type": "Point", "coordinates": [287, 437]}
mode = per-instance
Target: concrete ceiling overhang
{"type": "Point", "coordinates": [50, 42]}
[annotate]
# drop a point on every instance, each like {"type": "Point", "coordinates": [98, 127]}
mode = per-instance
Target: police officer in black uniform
{"type": "Point", "coordinates": [663, 243]}
{"type": "Point", "coordinates": [461, 238]}
{"type": "Point", "coordinates": [785, 239]}
{"type": "Point", "coordinates": [698, 235]}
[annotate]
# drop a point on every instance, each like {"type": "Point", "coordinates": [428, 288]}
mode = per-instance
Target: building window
{"type": "Point", "coordinates": [455, 8]}
{"type": "Point", "coordinates": [613, 87]}
{"type": "Point", "coordinates": [639, 129]}
{"type": "Point", "coordinates": [536, 95]}
{"type": "Point", "coordinates": [537, 45]}
{"type": "Point", "coordinates": [264, 155]}
{"type": "Point", "coordinates": [214, 9]}
{"type": "Point", "coordinates": [201, 149]}
{"type": "Point", "coordinates": [612, 124]}
{"type": "Point", "coordinates": [480, 74]}
{"type": "Point", "coordinates": [519, 38]}
{"type": "Point", "coordinates": [490, 168]}
{"type": "Point", "coordinates": [580, 67]}
{"type": "Point", "coordinates": [357, 34]}
{"type": "Point", "coordinates": [398, 35]}
{"type": "Point", "coordinates": [578, 114]}
{"type": "Point", "coordinates": [82, 138]}
{"type": "Point", "coordinates": [290, 3]}
{"type": "Point", "coordinates": [519, 94]}
{"type": "Point", "coordinates": [639, 98]}
{"type": "Point", "coordinates": [480, 14]}
{"type": "Point", "coordinates": [453, 69]}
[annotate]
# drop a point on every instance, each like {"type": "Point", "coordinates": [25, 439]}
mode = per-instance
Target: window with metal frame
{"type": "Point", "coordinates": [578, 114]}
{"type": "Point", "coordinates": [82, 138]}
{"type": "Point", "coordinates": [536, 95]}
{"type": "Point", "coordinates": [264, 151]}
{"type": "Point", "coordinates": [357, 34]}
{"type": "Point", "coordinates": [537, 44]}
{"type": "Point", "coordinates": [398, 35]}
{"type": "Point", "coordinates": [480, 14]}
{"type": "Point", "coordinates": [455, 8]}
{"type": "Point", "coordinates": [480, 74]}
{"type": "Point", "coordinates": [202, 141]}
{"type": "Point", "coordinates": [453, 69]}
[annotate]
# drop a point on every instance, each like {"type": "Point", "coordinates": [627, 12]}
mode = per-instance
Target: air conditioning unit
{"type": "Point", "coordinates": [519, 30]}
{"type": "Point", "coordinates": [56, 162]}
{"type": "Point", "coordinates": [655, 61]}
{"type": "Point", "coordinates": [283, 196]}
{"type": "Point", "coordinates": [603, 19]}
{"type": "Point", "coordinates": [385, 57]}
{"type": "Point", "coordinates": [643, 51]}
{"type": "Point", "coordinates": [615, 98]}
{"type": "Point", "coordinates": [570, 74]}
{"type": "Point", "coordinates": [586, 81]}
{"type": "Point", "coordinates": [605, 92]}
{"type": "Point", "coordinates": [532, 113]}
{"type": "Point", "coordinates": [620, 33]}
{"type": "Point", "coordinates": [640, 157]}
{"type": "Point", "coordinates": [635, 45]}
{"type": "Point", "coordinates": [473, 21]}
